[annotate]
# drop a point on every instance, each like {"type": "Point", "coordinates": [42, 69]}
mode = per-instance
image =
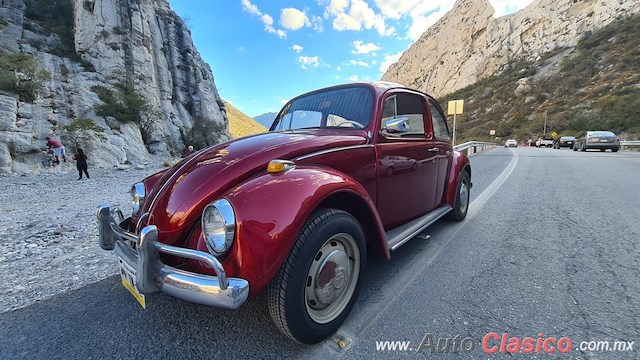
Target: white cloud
{"type": "Point", "coordinates": [358, 63]}
{"type": "Point", "coordinates": [250, 8]}
{"type": "Point", "coordinates": [266, 19]}
{"type": "Point", "coordinates": [338, 68]}
{"type": "Point", "coordinates": [336, 7]}
{"type": "Point", "coordinates": [316, 21]}
{"type": "Point", "coordinates": [353, 78]}
{"type": "Point", "coordinates": [344, 22]}
{"type": "Point", "coordinates": [309, 61]}
{"type": "Point", "coordinates": [293, 19]}
{"type": "Point", "coordinates": [388, 60]}
{"type": "Point", "coordinates": [362, 48]}
{"type": "Point", "coordinates": [359, 16]}
{"type": "Point", "coordinates": [394, 9]}
{"type": "Point", "coordinates": [297, 48]}
{"type": "Point", "coordinates": [240, 49]}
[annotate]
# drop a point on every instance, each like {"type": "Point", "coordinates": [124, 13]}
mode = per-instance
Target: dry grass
{"type": "Point", "coordinates": [240, 124]}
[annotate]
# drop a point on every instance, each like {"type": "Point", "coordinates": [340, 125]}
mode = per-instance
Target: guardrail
{"type": "Point", "coordinates": [630, 143]}
{"type": "Point", "coordinates": [473, 147]}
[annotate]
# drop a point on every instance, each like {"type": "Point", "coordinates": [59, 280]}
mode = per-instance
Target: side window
{"type": "Point", "coordinates": [409, 106]}
{"type": "Point", "coordinates": [440, 130]}
{"type": "Point", "coordinates": [389, 109]}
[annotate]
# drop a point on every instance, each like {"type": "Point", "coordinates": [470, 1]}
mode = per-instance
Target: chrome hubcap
{"type": "Point", "coordinates": [332, 278]}
{"type": "Point", "coordinates": [464, 196]}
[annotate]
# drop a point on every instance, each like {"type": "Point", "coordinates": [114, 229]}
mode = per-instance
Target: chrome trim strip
{"type": "Point", "coordinates": [413, 228]}
{"type": "Point", "coordinates": [328, 151]}
{"type": "Point", "coordinates": [139, 223]}
{"type": "Point", "coordinates": [192, 158]}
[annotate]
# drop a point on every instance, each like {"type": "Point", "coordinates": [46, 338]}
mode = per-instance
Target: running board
{"type": "Point", "coordinates": [396, 237]}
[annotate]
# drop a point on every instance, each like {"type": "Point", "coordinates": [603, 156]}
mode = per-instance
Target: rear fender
{"type": "Point", "coordinates": [271, 210]}
{"type": "Point", "coordinates": [459, 163]}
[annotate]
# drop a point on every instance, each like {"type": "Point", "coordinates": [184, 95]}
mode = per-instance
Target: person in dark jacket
{"type": "Point", "coordinates": [81, 162]}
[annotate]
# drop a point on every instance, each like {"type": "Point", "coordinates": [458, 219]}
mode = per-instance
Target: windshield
{"type": "Point", "coordinates": [601, 133]}
{"type": "Point", "coordinates": [340, 108]}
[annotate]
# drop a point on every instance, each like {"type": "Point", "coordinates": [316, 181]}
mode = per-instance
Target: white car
{"type": "Point", "coordinates": [511, 143]}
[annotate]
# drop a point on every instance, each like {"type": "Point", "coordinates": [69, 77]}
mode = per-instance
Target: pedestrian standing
{"type": "Point", "coordinates": [58, 149]}
{"type": "Point", "coordinates": [81, 162]}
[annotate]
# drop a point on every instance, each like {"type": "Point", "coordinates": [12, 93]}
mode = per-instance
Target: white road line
{"type": "Point", "coordinates": [487, 193]}
{"type": "Point", "coordinates": [478, 203]}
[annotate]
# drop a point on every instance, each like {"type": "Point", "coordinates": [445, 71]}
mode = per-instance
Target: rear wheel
{"type": "Point", "coordinates": [463, 194]}
{"type": "Point", "coordinates": [615, 149]}
{"type": "Point", "coordinates": [318, 283]}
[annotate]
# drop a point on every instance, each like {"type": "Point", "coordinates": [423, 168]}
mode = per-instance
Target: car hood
{"type": "Point", "coordinates": [177, 199]}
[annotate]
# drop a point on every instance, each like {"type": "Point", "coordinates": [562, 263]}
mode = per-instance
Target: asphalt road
{"type": "Point", "coordinates": [551, 246]}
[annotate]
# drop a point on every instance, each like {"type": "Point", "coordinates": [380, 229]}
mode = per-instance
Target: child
{"type": "Point", "coordinates": [81, 163]}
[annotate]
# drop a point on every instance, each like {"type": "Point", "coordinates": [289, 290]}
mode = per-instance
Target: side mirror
{"type": "Point", "coordinates": [396, 126]}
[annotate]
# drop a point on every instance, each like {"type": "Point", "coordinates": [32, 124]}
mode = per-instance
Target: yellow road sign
{"type": "Point", "coordinates": [554, 134]}
{"type": "Point", "coordinates": [455, 107]}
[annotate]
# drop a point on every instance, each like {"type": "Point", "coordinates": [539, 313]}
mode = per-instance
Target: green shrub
{"type": "Point", "coordinates": [123, 103]}
{"type": "Point", "coordinates": [204, 133]}
{"type": "Point", "coordinates": [83, 130]}
{"type": "Point", "coordinates": [19, 74]}
{"type": "Point", "coordinates": [55, 16]}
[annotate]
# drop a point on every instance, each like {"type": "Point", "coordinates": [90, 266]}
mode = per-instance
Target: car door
{"type": "Point", "coordinates": [442, 141]}
{"type": "Point", "coordinates": [407, 167]}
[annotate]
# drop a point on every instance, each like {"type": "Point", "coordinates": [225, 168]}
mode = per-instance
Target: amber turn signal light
{"type": "Point", "coordinates": [279, 166]}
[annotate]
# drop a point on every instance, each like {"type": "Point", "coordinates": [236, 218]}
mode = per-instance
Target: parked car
{"type": "Point", "coordinates": [601, 140]}
{"type": "Point", "coordinates": [564, 141]}
{"type": "Point", "coordinates": [511, 143]}
{"type": "Point", "coordinates": [544, 142]}
{"type": "Point", "coordinates": [294, 211]}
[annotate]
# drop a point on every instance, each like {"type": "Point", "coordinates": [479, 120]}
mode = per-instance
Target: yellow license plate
{"type": "Point", "coordinates": [128, 276]}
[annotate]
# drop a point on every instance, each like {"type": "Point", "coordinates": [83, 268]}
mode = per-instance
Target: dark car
{"type": "Point", "coordinates": [565, 141]}
{"type": "Point", "coordinates": [294, 212]}
{"type": "Point", "coordinates": [601, 140]}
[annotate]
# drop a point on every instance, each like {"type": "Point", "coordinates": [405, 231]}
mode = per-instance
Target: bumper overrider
{"type": "Point", "coordinates": [152, 275]}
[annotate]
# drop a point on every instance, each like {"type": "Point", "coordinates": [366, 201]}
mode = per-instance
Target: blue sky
{"type": "Point", "coordinates": [264, 52]}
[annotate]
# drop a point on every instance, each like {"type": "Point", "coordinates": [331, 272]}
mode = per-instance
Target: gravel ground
{"type": "Point", "coordinates": [48, 230]}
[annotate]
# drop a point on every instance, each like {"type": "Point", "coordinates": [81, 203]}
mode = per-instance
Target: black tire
{"type": "Point", "coordinates": [615, 149]}
{"type": "Point", "coordinates": [460, 208]}
{"type": "Point", "coordinates": [289, 306]}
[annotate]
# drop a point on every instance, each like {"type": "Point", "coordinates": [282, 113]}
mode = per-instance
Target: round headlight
{"type": "Point", "coordinates": [137, 197]}
{"type": "Point", "coordinates": [218, 226]}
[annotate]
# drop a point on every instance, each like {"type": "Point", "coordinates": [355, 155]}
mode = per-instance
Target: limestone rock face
{"type": "Point", "coordinates": [468, 43]}
{"type": "Point", "coordinates": [138, 43]}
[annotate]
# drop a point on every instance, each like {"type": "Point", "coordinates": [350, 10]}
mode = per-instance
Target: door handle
{"type": "Point", "coordinates": [433, 149]}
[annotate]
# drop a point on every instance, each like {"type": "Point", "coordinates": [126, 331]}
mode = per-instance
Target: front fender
{"type": "Point", "coordinates": [459, 163]}
{"type": "Point", "coordinates": [271, 210]}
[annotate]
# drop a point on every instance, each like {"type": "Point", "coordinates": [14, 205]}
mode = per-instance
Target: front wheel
{"type": "Point", "coordinates": [615, 149]}
{"type": "Point", "coordinates": [463, 194]}
{"type": "Point", "coordinates": [318, 283]}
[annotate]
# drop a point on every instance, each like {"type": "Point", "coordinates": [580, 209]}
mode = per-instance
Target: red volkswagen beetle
{"type": "Point", "coordinates": [294, 211]}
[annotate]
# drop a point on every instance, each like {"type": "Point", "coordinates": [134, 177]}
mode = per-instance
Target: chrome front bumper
{"type": "Point", "coordinates": [152, 275]}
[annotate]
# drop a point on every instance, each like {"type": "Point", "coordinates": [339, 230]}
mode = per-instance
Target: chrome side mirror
{"type": "Point", "coordinates": [397, 126]}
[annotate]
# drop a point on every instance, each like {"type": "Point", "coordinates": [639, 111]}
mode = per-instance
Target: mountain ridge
{"type": "Point", "coordinates": [486, 45]}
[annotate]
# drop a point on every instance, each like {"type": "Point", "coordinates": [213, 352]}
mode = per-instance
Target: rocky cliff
{"type": "Point", "coordinates": [120, 78]}
{"type": "Point", "coordinates": [468, 43]}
